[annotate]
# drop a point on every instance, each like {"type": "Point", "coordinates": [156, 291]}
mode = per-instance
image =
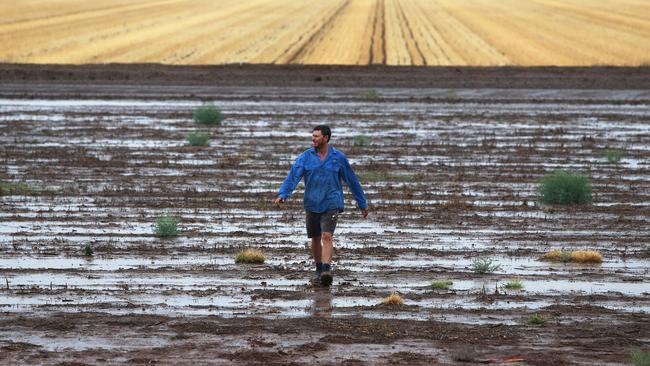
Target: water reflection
{"type": "Point", "coordinates": [321, 305]}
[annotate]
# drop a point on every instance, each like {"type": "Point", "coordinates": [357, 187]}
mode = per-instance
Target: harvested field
{"type": "Point", "coordinates": [348, 32]}
{"type": "Point", "coordinates": [450, 175]}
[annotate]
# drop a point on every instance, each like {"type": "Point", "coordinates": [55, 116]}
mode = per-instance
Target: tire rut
{"type": "Point", "coordinates": [312, 39]}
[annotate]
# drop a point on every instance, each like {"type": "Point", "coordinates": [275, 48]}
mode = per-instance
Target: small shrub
{"type": "Point", "coordinates": [15, 188]}
{"type": "Point", "coordinates": [452, 96]}
{"type": "Point", "coordinates": [484, 265]}
{"type": "Point", "coordinates": [563, 187]}
{"type": "Point", "coordinates": [639, 358]}
{"type": "Point", "coordinates": [537, 319]}
{"type": "Point", "coordinates": [361, 140]}
{"type": "Point", "coordinates": [251, 256]}
{"type": "Point", "coordinates": [371, 95]}
{"type": "Point", "coordinates": [88, 250]}
{"type": "Point", "coordinates": [198, 139]}
{"type": "Point", "coordinates": [613, 156]}
{"type": "Point", "coordinates": [586, 256]}
{"type": "Point", "coordinates": [514, 285]}
{"type": "Point", "coordinates": [166, 226]}
{"type": "Point", "coordinates": [208, 115]}
{"type": "Point", "coordinates": [393, 299]}
{"type": "Point", "coordinates": [442, 285]}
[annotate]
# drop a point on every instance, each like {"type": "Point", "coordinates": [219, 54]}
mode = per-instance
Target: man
{"type": "Point", "coordinates": [323, 168]}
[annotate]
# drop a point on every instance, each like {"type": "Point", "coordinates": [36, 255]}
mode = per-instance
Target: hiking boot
{"type": "Point", "coordinates": [326, 278]}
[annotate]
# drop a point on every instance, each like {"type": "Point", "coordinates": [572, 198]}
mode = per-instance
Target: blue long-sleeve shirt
{"type": "Point", "coordinates": [323, 186]}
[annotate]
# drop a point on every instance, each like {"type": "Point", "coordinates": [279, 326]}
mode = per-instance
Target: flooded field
{"type": "Point", "coordinates": [451, 178]}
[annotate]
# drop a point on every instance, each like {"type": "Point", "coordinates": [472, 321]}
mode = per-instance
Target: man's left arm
{"type": "Point", "coordinates": [352, 181]}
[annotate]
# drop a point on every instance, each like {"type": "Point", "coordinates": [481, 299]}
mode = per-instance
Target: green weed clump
{"type": "Point", "coordinates": [166, 226]}
{"type": "Point", "coordinates": [514, 285]}
{"type": "Point", "coordinates": [537, 319]}
{"type": "Point", "coordinates": [371, 95]}
{"type": "Point", "coordinates": [613, 156]}
{"type": "Point", "coordinates": [251, 256]}
{"type": "Point", "coordinates": [639, 358]}
{"type": "Point", "coordinates": [208, 115]}
{"type": "Point", "coordinates": [361, 140]}
{"type": "Point", "coordinates": [484, 265]}
{"type": "Point", "coordinates": [198, 139]}
{"type": "Point", "coordinates": [442, 285]}
{"type": "Point", "coordinates": [88, 250]}
{"type": "Point", "coordinates": [564, 188]}
{"type": "Point", "coordinates": [7, 188]}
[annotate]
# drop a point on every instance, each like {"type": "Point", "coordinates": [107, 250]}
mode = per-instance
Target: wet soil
{"type": "Point", "coordinates": [92, 155]}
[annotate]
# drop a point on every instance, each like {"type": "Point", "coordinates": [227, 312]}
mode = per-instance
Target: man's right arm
{"type": "Point", "coordinates": [292, 180]}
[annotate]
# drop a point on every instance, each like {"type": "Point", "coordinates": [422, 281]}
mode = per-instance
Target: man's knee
{"type": "Point", "coordinates": [326, 236]}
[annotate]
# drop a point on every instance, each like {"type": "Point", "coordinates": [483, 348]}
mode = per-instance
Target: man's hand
{"type": "Point", "coordinates": [279, 200]}
{"type": "Point", "coordinates": [364, 212]}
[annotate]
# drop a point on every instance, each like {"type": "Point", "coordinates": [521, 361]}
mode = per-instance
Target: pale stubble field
{"type": "Point", "coordinates": [350, 32]}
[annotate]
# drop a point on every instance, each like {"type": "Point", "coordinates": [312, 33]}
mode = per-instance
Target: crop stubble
{"type": "Point", "coordinates": [407, 32]}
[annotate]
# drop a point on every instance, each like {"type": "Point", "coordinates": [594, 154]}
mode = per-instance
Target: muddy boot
{"type": "Point", "coordinates": [326, 278]}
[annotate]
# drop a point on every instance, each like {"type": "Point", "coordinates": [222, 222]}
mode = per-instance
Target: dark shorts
{"type": "Point", "coordinates": [321, 222]}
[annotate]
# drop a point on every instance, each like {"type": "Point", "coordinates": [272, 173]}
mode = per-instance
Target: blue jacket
{"type": "Point", "coordinates": [323, 187]}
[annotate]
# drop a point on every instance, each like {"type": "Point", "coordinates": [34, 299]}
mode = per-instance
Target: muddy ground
{"type": "Point", "coordinates": [450, 167]}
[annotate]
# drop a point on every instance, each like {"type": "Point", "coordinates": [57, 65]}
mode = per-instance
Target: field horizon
{"type": "Point", "coordinates": [341, 32]}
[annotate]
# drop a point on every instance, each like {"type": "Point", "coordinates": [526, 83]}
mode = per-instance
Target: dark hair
{"type": "Point", "coordinates": [325, 130]}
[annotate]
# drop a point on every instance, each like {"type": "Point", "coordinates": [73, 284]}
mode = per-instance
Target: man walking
{"type": "Point", "coordinates": [323, 168]}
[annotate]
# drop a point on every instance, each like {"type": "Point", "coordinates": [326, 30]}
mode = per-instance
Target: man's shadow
{"type": "Point", "coordinates": [321, 304]}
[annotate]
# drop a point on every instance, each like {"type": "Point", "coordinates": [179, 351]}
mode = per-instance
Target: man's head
{"type": "Point", "coordinates": [320, 135]}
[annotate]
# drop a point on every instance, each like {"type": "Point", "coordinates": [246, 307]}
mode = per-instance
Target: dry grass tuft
{"type": "Point", "coordinates": [576, 256]}
{"type": "Point", "coordinates": [586, 256]}
{"type": "Point", "coordinates": [393, 300]}
{"type": "Point", "coordinates": [254, 256]}
{"type": "Point", "coordinates": [557, 255]}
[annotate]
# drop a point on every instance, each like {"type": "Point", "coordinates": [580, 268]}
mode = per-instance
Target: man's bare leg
{"type": "Point", "coordinates": [327, 249]}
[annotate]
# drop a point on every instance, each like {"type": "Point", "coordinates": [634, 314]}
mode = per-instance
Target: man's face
{"type": "Point", "coordinates": [317, 139]}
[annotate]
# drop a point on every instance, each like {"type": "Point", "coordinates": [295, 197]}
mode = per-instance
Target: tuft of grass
{"type": "Point", "coordinates": [361, 140]}
{"type": "Point", "coordinates": [442, 285]}
{"type": "Point", "coordinates": [198, 139]}
{"type": "Point", "coordinates": [88, 250]}
{"type": "Point", "coordinates": [251, 256]}
{"type": "Point", "coordinates": [208, 115]}
{"type": "Point", "coordinates": [514, 285]}
{"type": "Point", "coordinates": [564, 188]}
{"type": "Point", "coordinates": [452, 96]}
{"type": "Point", "coordinates": [393, 299]}
{"type": "Point", "coordinates": [484, 265]}
{"type": "Point", "coordinates": [7, 188]}
{"type": "Point", "coordinates": [639, 357]}
{"type": "Point", "coordinates": [166, 226]}
{"type": "Point", "coordinates": [576, 256]}
{"type": "Point", "coordinates": [371, 95]}
{"type": "Point", "coordinates": [586, 256]}
{"type": "Point", "coordinates": [537, 319]}
{"type": "Point", "coordinates": [613, 156]}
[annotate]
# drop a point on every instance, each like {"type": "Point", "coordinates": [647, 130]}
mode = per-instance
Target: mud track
{"type": "Point", "coordinates": [91, 155]}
